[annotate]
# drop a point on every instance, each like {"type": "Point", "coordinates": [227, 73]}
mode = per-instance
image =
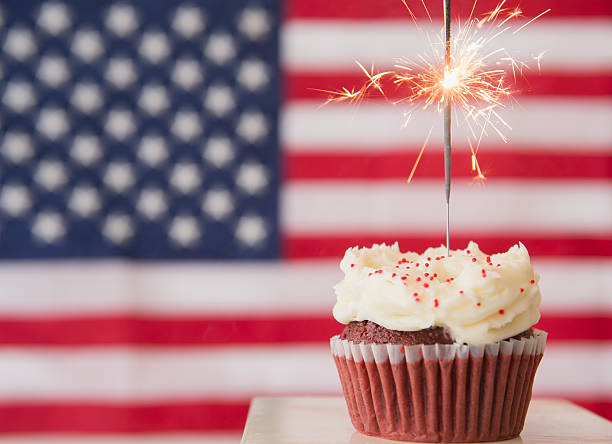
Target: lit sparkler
{"type": "Point", "coordinates": [463, 72]}
{"type": "Point", "coordinates": [474, 79]}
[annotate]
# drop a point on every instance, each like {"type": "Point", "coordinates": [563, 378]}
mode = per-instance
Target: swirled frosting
{"type": "Point", "coordinates": [479, 298]}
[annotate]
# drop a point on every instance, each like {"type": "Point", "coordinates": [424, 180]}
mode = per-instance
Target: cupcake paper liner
{"type": "Point", "coordinates": [439, 393]}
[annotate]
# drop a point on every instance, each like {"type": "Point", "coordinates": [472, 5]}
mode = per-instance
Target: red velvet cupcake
{"type": "Point", "coordinates": [438, 349]}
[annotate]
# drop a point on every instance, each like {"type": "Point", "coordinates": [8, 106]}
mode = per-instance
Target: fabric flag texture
{"type": "Point", "coordinates": [174, 200]}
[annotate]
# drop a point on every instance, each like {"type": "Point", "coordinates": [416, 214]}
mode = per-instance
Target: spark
{"type": "Point", "coordinates": [476, 81]}
{"type": "Point", "coordinates": [418, 159]}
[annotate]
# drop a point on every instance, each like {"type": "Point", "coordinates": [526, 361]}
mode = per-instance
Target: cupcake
{"type": "Point", "coordinates": [437, 348]}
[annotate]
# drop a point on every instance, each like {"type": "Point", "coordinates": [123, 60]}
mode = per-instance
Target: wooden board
{"type": "Point", "coordinates": [324, 420]}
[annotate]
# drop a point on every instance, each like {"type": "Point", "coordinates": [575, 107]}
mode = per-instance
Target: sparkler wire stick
{"type": "Point", "coordinates": [447, 120]}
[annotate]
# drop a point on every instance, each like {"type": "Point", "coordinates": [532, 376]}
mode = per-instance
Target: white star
{"type": "Point", "coordinates": [87, 45]}
{"type": "Point", "coordinates": [119, 176]}
{"type": "Point", "coordinates": [84, 201]}
{"type": "Point", "coordinates": [186, 125]}
{"type": "Point", "coordinates": [153, 99]}
{"type": "Point", "coordinates": [17, 147]}
{"type": "Point", "coordinates": [19, 96]}
{"type": "Point", "coordinates": [120, 124]}
{"type": "Point", "coordinates": [153, 150]}
{"type": "Point", "coordinates": [154, 46]}
{"type": "Point", "coordinates": [184, 230]}
{"type": "Point", "coordinates": [251, 230]}
{"type": "Point", "coordinates": [15, 200]}
{"type": "Point", "coordinates": [20, 43]}
{"type": "Point", "coordinates": [54, 17]}
{"type": "Point", "coordinates": [121, 72]}
{"type": "Point", "coordinates": [52, 123]}
{"type": "Point", "coordinates": [51, 175]}
{"type": "Point", "coordinates": [188, 21]}
{"type": "Point", "coordinates": [187, 73]}
{"type": "Point", "coordinates": [118, 228]}
{"type": "Point", "coordinates": [86, 149]}
{"type": "Point", "coordinates": [255, 23]}
{"type": "Point", "coordinates": [53, 70]}
{"type": "Point", "coordinates": [185, 177]}
{"type": "Point", "coordinates": [121, 19]}
{"type": "Point", "coordinates": [218, 204]}
{"type": "Point", "coordinates": [252, 126]}
{"type": "Point", "coordinates": [219, 100]}
{"type": "Point", "coordinates": [253, 74]}
{"type": "Point", "coordinates": [152, 203]}
{"type": "Point", "coordinates": [49, 226]}
{"type": "Point", "coordinates": [219, 151]}
{"type": "Point", "coordinates": [220, 48]}
{"type": "Point", "coordinates": [86, 97]}
{"type": "Point", "coordinates": [252, 177]}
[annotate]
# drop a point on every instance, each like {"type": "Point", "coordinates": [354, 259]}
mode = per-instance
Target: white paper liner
{"type": "Point", "coordinates": [441, 392]}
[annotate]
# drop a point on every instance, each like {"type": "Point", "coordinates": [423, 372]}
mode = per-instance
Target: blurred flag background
{"type": "Point", "coordinates": [174, 201]}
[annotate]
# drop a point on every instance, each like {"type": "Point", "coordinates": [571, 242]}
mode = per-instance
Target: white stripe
{"type": "Point", "coordinates": [557, 124]}
{"type": "Point", "coordinates": [200, 288]}
{"type": "Point", "coordinates": [139, 375]}
{"type": "Point", "coordinates": [499, 206]}
{"type": "Point", "coordinates": [141, 438]}
{"type": "Point", "coordinates": [570, 45]}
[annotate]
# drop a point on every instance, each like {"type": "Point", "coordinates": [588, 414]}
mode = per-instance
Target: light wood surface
{"type": "Point", "coordinates": [324, 420]}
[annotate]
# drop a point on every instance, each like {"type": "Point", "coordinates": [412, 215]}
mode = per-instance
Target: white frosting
{"type": "Point", "coordinates": [480, 299]}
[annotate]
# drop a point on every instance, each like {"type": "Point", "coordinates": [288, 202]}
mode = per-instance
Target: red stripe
{"type": "Point", "coordinates": [394, 9]}
{"type": "Point", "coordinates": [307, 85]}
{"type": "Point", "coordinates": [167, 417]}
{"type": "Point", "coordinates": [304, 246]}
{"type": "Point", "coordinates": [602, 407]}
{"type": "Point", "coordinates": [129, 330]}
{"type": "Point", "coordinates": [117, 418]}
{"type": "Point", "coordinates": [501, 163]}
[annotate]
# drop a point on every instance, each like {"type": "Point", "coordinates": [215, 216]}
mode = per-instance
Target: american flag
{"type": "Point", "coordinates": [174, 202]}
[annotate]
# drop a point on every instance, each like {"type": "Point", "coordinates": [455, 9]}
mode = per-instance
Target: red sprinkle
{"type": "Point", "coordinates": [426, 274]}
{"type": "Point", "coordinates": [488, 258]}
{"type": "Point", "coordinates": [426, 285]}
{"type": "Point", "coordinates": [522, 290]}
{"type": "Point", "coordinates": [501, 312]}
{"type": "Point", "coordinates": [427, 265]}
{"type": "Point", "coordinates": [468, 251]}
{"type": "Point", "coordinates": [435, 275]}
{"type": "Point", "coordinates": [429, 259]}
{"type": "Point", "coordinates": [532, 281]}
{"type": "Point", "coordinates": [418, 279]}
{"type": "Point", "coordinates": [436, 303]}
{"type": "Point", "coordinates": [460, 291]}
{"type": "Point", "coordinates": [478, 304]}
{"type": "Point", "coordinates": [393, 275]}
{"type": "Point", "coordinates": [343, 335]}
{"type": "Point", "coordinates": [352, 265]}
{"type": "Point", "coordinates": [417, 299]}
{"type": "Point", "coordinates": [417, 264]}
{"type": "Point", "coordinates": [404, 278]}
{"type": "Point", "coordinates": [473, 259]}
{"type": "Point", "coordinates": [370, 274]}
{"type": "Point", "coordinates": [499, 265]}
{"type": "Point", "coordinates": [431, 278]}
